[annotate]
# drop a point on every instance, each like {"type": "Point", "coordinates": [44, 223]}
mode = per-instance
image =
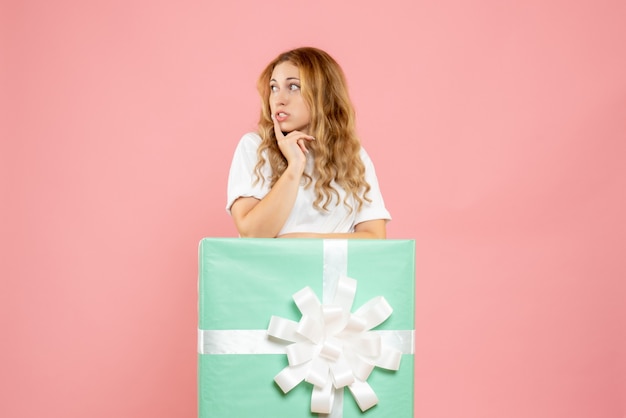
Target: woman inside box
{"type": "Point", "coordinates": [304, 173]}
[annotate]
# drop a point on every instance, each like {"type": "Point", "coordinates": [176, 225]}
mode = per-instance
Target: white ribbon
{"type": "Point", "coordinates": [255, 341]}
{"type": "Point", "coordinates": [332, 347]}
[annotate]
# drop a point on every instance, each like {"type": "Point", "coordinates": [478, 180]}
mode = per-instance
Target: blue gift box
{"type": "Point", "coordinates": [243, 283]}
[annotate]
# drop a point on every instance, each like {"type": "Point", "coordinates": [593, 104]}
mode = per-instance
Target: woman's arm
{"type": "Point", "coordinates": [265, 218]}
{"type": "Point", "coordinates": [374, 229]}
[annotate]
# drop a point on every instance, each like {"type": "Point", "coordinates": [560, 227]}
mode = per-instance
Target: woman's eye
{"type": "Point", "coordinates": [294, 87]}
{"type": "Point", "coordinates": [273, 89]}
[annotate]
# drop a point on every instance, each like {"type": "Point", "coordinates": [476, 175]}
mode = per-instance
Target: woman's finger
{"type": "Point", "coordinates": [302, 146]}
{"type": "Point", "coordinates": [277, 131]}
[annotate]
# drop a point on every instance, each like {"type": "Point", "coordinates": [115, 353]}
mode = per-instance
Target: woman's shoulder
{"type": "Point", "coordinates": [248, 144]}
{"type": "Point", "coordinates": [364, 155]}
{"type": "Point", "coordinates": [251, 138]}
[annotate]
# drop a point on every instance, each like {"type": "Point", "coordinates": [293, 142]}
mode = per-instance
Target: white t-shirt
{"type": "Point", "coordinates": [304, 217]}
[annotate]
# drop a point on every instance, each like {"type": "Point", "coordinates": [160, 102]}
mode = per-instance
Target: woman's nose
{"type": "Point", "coordinates": [280, 98]}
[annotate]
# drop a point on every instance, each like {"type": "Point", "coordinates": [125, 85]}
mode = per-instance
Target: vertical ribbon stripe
{"type": "Point", "coordinates": [335, 255]}
{"type": "Point", "coordinates": [335, 266]}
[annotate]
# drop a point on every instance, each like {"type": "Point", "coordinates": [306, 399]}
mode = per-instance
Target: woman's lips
{"type": "Point", "coordinates": [281, 116]}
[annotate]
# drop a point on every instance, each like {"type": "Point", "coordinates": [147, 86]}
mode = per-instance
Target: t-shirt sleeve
{"type": "Point", "coordinates": [376, 208]}
{"type": "Point", "coordinates": [241, 176]}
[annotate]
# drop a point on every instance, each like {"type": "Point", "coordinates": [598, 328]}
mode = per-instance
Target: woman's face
{"type": "Point", "coordinates": [286, 102]}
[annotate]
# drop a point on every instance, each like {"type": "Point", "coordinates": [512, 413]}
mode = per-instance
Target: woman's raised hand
{"type": "Point", "coordinates": [292, 145]}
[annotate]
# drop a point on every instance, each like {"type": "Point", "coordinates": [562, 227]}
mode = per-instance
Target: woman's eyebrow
{"type": "Point", "coordinates": [288, 79]}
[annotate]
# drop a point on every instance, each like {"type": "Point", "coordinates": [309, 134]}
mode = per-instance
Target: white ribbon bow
{"type": "Point", "coordinates": [333, 348]}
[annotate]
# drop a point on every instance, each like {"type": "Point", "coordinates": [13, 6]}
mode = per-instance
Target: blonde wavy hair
{"type": "Point", "coordinates": [336, 146]}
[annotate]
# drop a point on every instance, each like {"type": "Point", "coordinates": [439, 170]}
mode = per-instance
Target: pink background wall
{"type": "Point", "coordinates": [499, 134]}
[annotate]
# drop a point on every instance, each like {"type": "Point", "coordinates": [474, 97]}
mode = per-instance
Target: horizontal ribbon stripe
{"type": "Point", "coordinates": [255, 341]}
{"type": "Point", "coordinates": [234, 341]}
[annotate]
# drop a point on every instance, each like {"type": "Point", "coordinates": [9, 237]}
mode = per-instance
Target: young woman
{"type": "Point", "coordinates": [304, 173]}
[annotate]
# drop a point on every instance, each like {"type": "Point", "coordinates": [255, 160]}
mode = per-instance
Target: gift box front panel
{"type": "Point", "coordinates": [243, 282]}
